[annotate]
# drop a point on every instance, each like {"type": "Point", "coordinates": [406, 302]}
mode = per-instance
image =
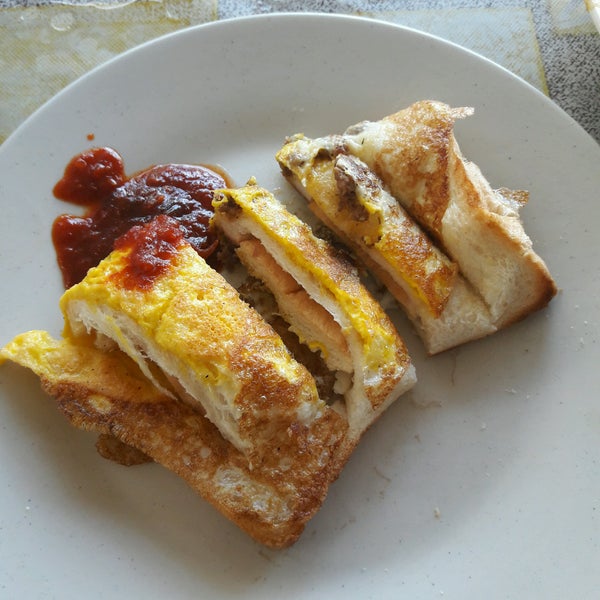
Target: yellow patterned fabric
{"type": "Point", "coordinates": [552, 44]}
{"type": "Point", "coordinates": [44, 48]}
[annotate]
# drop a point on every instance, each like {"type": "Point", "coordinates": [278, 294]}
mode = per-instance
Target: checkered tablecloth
{"type": "Point", "coordinates": [552, 44]}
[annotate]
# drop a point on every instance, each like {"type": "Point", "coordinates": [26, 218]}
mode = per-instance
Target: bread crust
{"type": "Point", "coordinates": [105, 392]}
{"type": "Point", "coordinates": [414, 156]}
{"type": "Point", "coordinates": [192, 323]}
{"type": "Point", "coordinates": [381, 366]}
{"type": "Point", "coordinates": [415, 153]}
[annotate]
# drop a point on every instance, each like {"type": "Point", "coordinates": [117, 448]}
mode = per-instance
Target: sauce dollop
{"type": "Point", "coordinates": [115, 203]}
{"type": "Point", "coordinates": [152, 247]}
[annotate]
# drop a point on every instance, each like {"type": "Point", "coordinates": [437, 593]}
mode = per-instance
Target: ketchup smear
{"type": "Point", "coordinates": [115, 203]}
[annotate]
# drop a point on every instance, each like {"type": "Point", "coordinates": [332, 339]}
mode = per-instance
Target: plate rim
{"type": "Point", "coordinates": [284, 15]}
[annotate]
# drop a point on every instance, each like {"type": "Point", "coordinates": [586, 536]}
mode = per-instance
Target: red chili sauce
{"type": "Point", "coordinates": [115, 203]}
{"type": "Point", "coordinates": [152, 248]}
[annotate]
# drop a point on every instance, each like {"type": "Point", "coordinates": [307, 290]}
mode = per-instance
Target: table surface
{"type": "Point", "coordinates": [552, 44]}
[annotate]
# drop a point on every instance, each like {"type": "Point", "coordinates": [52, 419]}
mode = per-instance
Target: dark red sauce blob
{"type": "Point", "coordinates": [91, 176]}
{"type": "Point", "coordinates": [115, 203]}
{"type": "Point", "coordinates": [152, 248]}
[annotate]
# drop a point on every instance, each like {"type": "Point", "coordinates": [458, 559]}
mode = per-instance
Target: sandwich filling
{"type": "Point", "coordinates": [216, 351]}
{"type": "Point", "coordinates": [425, 221]}
{"type": "Point", "coordinates": [322, 298]}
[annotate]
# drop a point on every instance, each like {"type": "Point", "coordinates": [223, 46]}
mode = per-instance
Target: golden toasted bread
{"type": "Point", "coordinates": [106, 392]}
{"type": "Point", "coordinates": [194, 337]}
{"type": "Point", "coordinates": [417, 156]}
{"type": "Point", "coordinates": [351, 200]}
{"type": "Point", "coordinates": [450, 249]}
{"type": "Point", "coordinates": [323, 299]}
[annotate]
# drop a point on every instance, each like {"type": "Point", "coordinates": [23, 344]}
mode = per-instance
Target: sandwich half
{"type": "Point", "coordinates": [351, 200]}
{"type": "Point", "coordinates": [321, 297]}
{"type": "Point", "coordinates": [106, 392]}
{"type": "Point", "coordinates": [452, 250]}
{"type": "Point", "coordinates": [194, 338]}
{"type": "Point", "coordinates": [160, 352]}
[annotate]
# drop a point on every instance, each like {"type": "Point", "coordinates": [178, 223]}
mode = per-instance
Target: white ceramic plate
{"type": "Point", "coordinates": [490, 492]}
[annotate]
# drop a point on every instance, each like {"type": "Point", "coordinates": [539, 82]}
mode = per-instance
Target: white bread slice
{"type": "Point", "coordinates": [352, 202]}
{"type": "Point", "coordinates": [105, 392]}
{"type": "Point", "coordinates": [352, 329]}
{"type": "Point", "coordinates": [270, 447]}
{"type": "Point", "coordinates": [417, 157]}
{"type": "Point", "coordinates": [191, 325]}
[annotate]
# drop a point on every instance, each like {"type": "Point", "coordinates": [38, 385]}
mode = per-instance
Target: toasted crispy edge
{"type": "Point", "coordinates": [397, 372]}
{"type": "Point", "coordinates": [114, 408]}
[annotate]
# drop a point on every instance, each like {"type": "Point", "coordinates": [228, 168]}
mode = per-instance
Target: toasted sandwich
{"type": "Point", "coordinates": [322, 298]}
{"type": "Point", "coordinates": [452, 250]}
{"type": "Point", "coordinates": [161, 355]}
